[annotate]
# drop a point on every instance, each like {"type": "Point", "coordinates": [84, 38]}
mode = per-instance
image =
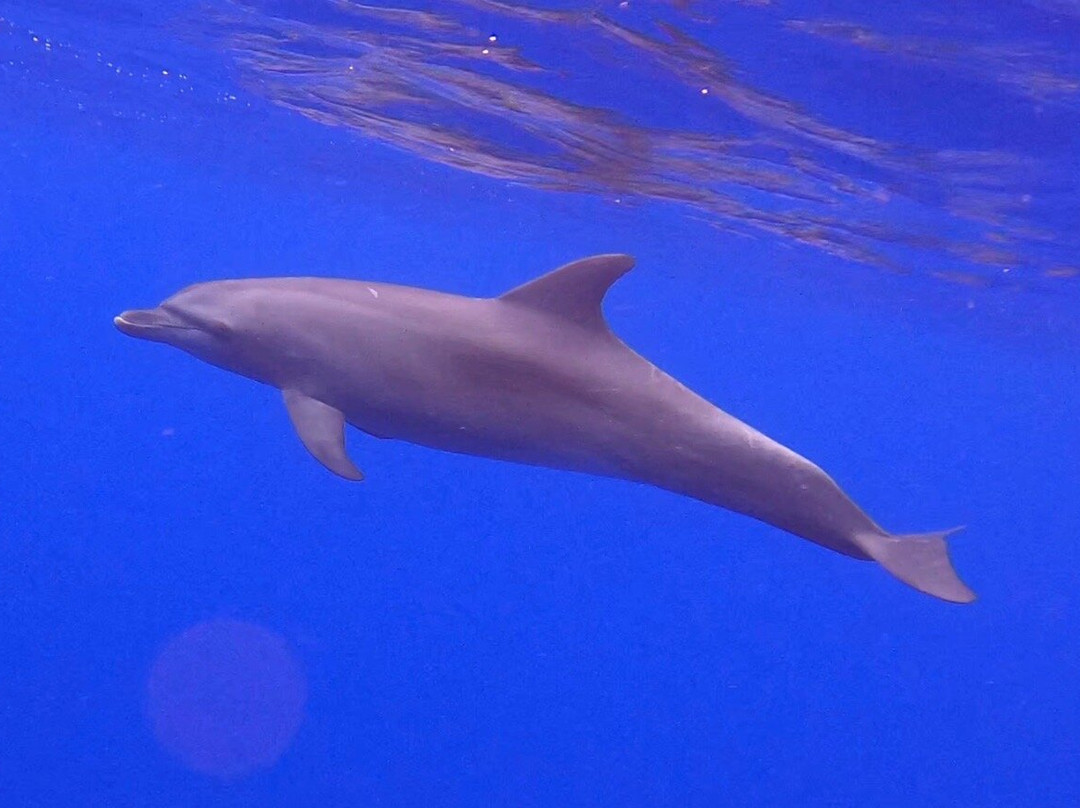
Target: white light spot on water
{"type": "Point", "coordinates": [704, 90]}
{"type": "Point", "coordinates": [492, 38]}
{"type": "Point", "coordinates": [486, 51]}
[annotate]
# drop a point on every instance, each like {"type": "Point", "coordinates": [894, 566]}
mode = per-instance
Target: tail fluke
{"type": "Point", "coordinates": [920, 560]}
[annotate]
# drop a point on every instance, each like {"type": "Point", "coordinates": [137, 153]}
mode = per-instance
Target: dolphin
{"type": "Point", "coordinates": [533, 376]}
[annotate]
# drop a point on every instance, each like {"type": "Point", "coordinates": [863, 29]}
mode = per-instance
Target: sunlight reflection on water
{"type": "Point", "coordinates": [659, 102]}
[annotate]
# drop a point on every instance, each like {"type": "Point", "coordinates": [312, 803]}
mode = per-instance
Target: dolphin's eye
{"type": "Point", "coordinates": [219, 328]}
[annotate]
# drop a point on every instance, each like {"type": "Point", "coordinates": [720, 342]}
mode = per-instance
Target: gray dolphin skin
{"type": "Point", "coordinates": [534, 376]}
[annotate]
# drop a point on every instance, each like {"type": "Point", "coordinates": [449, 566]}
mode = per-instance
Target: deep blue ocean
{"type": "Point", "coordinates": [855, 227]}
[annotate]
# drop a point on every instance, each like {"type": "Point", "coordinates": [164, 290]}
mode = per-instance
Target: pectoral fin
{"type": "Point", "coordinates": [322, 430]}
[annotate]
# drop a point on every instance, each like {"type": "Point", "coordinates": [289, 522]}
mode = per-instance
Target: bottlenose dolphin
{"type": "Point", "coordinates": [534, 376]}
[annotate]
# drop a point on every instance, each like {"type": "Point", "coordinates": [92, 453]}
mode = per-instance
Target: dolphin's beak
{"type": "Point", "coordinates": [147, 323]}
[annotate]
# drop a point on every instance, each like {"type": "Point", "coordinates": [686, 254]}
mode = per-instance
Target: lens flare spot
{"type": "Point", "coordinates": [226, 697]}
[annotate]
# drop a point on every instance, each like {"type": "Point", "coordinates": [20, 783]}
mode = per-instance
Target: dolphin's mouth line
{"type": "Point", "coordinates": [151, 323]}
{"type": "Point", "coordinates": [119, 320]}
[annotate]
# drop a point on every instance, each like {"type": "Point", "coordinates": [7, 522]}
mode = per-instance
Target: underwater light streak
{"type": "Point", "coordinates": [565, 100]}
{"type": "Point", "coordinates": [437, 86]}
{"type": "Point", "coordinates": [1025, 69]}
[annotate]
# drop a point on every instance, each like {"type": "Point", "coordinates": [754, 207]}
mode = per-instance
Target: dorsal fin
{"type": "Point", "coordinates": [574, 291]}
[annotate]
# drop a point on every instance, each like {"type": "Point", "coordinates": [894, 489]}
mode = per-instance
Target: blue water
{"type": "Point", "coordinates": [479, 634]}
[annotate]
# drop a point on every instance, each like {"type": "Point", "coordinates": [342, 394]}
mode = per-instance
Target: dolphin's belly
{"type": "Point", "coordinates": [549, 430]}
{"type": "Point", "coordinates": [695, 450]}
{"type": "Point", "coordinates": [571, 409]}
{"type": "Point", "coordinates": [606, 411]}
